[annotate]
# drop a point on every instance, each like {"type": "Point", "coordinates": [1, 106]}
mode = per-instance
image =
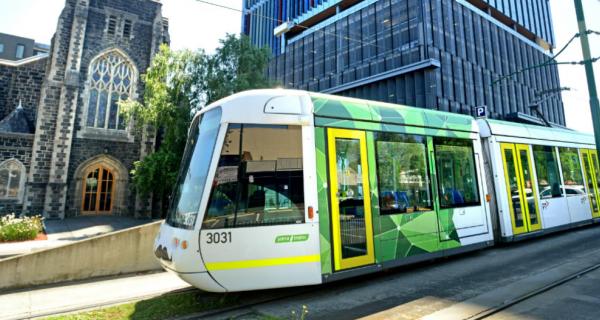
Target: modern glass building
{"type": "Point", "coordinates": [439, 54]}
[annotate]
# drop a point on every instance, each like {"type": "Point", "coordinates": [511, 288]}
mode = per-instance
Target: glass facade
{"type": "Point", "coordinates": [533, 15]}
{"type": "Point", "coordinates": [438, 54]}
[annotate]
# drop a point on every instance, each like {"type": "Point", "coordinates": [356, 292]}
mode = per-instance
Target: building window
{"type": "Point", "coordinates": [112, 25]}
{"type": "Point", "coordinates": [111, 79]}
{"type": "Point", "coordinates": [12, 179]}
{"type": "Point", "coordinates": [1, 47]}
{"type": "Point", "coordinates": [20, 51]}
{"type": "Point", "coordinates": [127, 28]}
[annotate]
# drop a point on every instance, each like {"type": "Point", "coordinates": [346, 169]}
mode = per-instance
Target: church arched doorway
{"type": "Point", "coordinates": [98, 186]}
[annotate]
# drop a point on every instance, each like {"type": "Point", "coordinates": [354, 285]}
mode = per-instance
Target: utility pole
{"type": "Point", "coordinates": [589, 71]}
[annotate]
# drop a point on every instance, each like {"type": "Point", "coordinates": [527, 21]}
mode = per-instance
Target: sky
{"type": "Point", "coordinates": [196, 25]}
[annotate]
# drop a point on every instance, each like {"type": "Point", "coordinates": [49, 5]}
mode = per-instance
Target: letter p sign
{"type": "Point", "coordinates": [481, 111]}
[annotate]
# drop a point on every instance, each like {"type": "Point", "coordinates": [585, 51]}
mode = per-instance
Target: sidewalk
{"type": "Point", "coordinates": [61, 232]}
{"type": "Point", "coordinates": [84, 295]}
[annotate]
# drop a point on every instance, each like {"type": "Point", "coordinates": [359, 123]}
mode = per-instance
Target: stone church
{"type": "Point", "coordinates": [64, 149]}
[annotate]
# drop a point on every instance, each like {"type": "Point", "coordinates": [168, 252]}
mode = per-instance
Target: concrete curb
{"type": "Point", "coordinates": [86, 295]}
{"type": "Point", "coordinates": [120, 252]}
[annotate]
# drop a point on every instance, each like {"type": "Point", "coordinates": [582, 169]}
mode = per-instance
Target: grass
{"type": "Point", "coordinates": [162, 307]}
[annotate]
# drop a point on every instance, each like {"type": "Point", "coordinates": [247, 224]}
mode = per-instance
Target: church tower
{"type": "Point", "coordinates": [83, 151]}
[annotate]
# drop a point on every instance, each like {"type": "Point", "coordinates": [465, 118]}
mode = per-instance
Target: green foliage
{"type": "Point", "coordinates": [299, 315]}
{"type": "Point", "coordinates": [177, 84]}
{"type": "Point", "coordinates": [19, 229]}
{"type": "Point", "coordinates": [236, 66]}
{"type": "Point", "coordinates": [152, 169]}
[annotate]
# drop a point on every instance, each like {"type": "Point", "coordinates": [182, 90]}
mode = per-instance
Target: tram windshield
{"type": "Point", "coordinates": [194, 170]}
{"type": "Point", "coordinates": [259, 178]}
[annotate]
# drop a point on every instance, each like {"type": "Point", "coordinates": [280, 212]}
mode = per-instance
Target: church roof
{"type": "Point", "coordinates": [27, 60]}
{"type": "Point", "coordinates": [16, 122]}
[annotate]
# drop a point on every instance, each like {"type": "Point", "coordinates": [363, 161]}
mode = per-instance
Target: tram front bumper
{"type": "Point", "coordinates": [177, 250]}
{"type": "Point", "coordinates": [201, 280]}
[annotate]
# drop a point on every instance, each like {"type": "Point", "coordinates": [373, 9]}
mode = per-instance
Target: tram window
{"type": "Point", "coordinates": [259, 178]}
{"type": "Point", "coordinates": [403, 175]}
{"type": "Point", "coordinates": [546, 168]}
{"type": "Point", "coordinates": [571, 169]}
{"type": "Point", "coordinates": [192, 178]}
{"type": "Point", "coordinates": [457, 177]}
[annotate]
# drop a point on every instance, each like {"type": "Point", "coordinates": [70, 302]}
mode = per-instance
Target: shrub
{"type": "Point", "coordinates": [19, 229]}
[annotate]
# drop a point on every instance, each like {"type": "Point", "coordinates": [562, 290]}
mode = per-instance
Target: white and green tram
{"type": "Point", "coordinates": [545, 179]}
{"type": "Point", "coordinates": [286, 188]}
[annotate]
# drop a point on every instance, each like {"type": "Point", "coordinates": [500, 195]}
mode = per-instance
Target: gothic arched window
{"type": "Point", "coordinates": [112, 78]}
{"type": "Point", "coordinates": [12, 179]}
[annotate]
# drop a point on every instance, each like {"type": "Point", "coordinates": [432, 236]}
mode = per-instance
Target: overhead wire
{"type": "Point", "coordinates": [345, 45]}
{"type": "Point", "coordinates": [370, 43]}
{"type": "Point", "coordinates": [548, 62]}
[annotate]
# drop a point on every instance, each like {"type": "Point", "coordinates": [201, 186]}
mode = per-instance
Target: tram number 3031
{"type": "Point", "coordinates": [218, 237]}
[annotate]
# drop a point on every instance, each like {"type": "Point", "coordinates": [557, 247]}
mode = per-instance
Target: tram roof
{"type": "Point", "coordinates": [534, 132]}
{"type": "Point", "coordinates": [366, 110]}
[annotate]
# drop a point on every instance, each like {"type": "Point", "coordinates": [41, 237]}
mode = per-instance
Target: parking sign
{"type": "Point", "coordinates": [481, 111]}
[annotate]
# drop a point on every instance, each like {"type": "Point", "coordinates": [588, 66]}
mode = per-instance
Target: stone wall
{"type": "Point", "coordinates": [83, 150]}
{"type": "Point", "coordinates": [15, 146]}
{"type": "Point", "coordinates": [21, 82]}
{"type": "Point", "coordinates": [63, 144]}
{"type": "Point", "coordinates": [48, 110]}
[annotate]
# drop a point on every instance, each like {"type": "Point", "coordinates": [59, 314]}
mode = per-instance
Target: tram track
{"type": "Point", "coordinates": [563, 258]}
{"type": "Point", "coordinates": [505, 297]}
{"type": "Point", "coordinates": [515, 301]}
{"type": "Point", "coordinates": [243, 309]}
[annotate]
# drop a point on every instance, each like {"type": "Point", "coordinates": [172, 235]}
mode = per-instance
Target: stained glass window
{"type": "Point", "coordinates": [112, 78]}
{"type": "Point", "coordinates": [12, 174]}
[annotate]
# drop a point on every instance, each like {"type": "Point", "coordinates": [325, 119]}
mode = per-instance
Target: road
{"type": "Point", "coordinates": [460, 287]}
{"type": "Point", "coordinates": [579, 299]}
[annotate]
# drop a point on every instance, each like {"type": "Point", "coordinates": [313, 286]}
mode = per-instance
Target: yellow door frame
{"type": "Point", "coordinates": [587, 154]}
{"type": "Point", "coordinates": [595, 172]}
{"type": "Point", "coordinates": [518, 169]}
{"type": "Point", "coordinates": [369, 258]}
{"type": "Point", "coordinates": [511, 147]}
{"type": "Point", "coordinates": [530, 226]}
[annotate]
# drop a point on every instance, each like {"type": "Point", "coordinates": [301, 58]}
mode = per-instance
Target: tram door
{"type": "Point", "coordinates": [351, 218]}
{"type": "Point", "coordinates": [520, 188]}
{"type": "Point", "coordinates": [590, 167]}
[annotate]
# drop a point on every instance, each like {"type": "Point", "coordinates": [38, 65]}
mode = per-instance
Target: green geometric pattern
{"type": "Point", "coordinates": [325, 238]}
{"type": "Point", "coordinates": [395, 236]}
{"type": "Point", "coordinates": [379, 112]}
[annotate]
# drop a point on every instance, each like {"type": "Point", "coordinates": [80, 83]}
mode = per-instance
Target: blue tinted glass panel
{"type": "Point", "coordinates": [102, 104]}
{"type": "Point", "coordinates": [92, 107]}
{"type": "Point", "coordinates": [114, 110]}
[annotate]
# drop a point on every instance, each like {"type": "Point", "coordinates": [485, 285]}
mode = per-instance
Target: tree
{"type": "Point", "coordinates": [177, 84]}
{"type": "Point", "coordinates": [236, 66]}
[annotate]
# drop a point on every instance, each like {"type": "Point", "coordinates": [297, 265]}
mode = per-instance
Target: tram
{"type": "Point", "coordinates": [545, 179]}
{"type": "Point", "coordinates": [284, 188]}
